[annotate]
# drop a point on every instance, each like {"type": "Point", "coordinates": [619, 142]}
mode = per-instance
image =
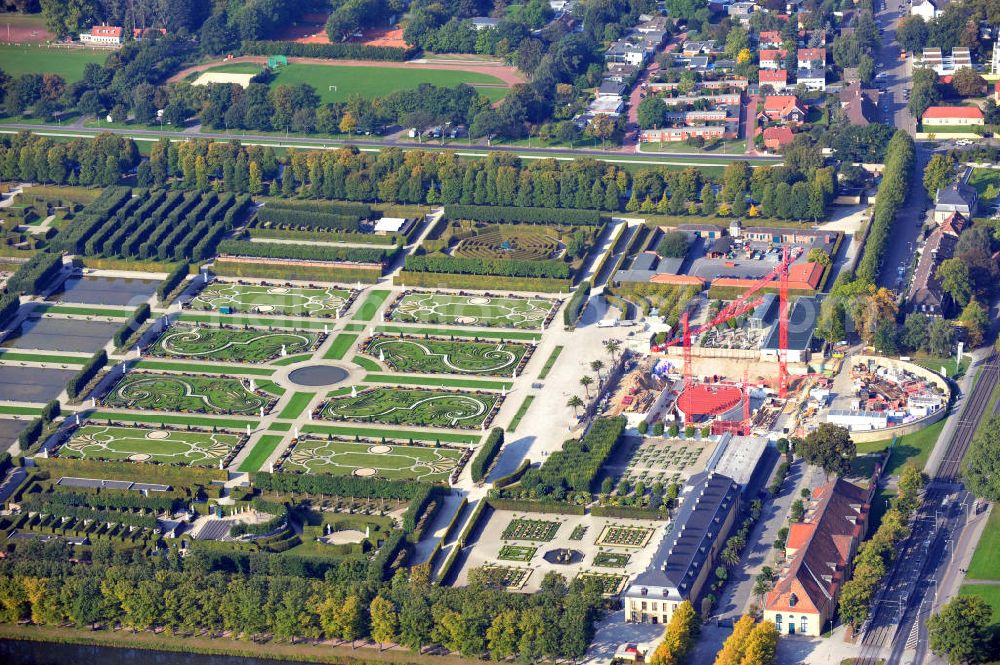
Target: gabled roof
{"type": "Point", "coordinates": [106, 31]}
{"type": "Point", "coordinates": [926, 287]}
{"type": "Point", "coordinates": [811, 54]}
{"type": "Point", "coordinates": [836, 518]}
{"type": "Point", "coordinates": [860, 105]}
{"type": "Point", "coordinates": [949, 112]}
{"type": "Point", "coordinates": [953, 224]}
{"type": "Point", "coordinates": [773, 54]}
{"type": "Point", "coordinates": [781, 135]}
{"type": "Point", "coordinates": [783, 104]}
{"type": "Point", "coordinates": [773, 76]}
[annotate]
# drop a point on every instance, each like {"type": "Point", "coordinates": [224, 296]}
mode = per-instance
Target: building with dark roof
{"type": "Point", "coordinates": [686, 556]}
{"type": "Point", "coordinates": [819, 551]}
{"type": "Point", "coordinates": [860, 105]}
{"type": "Point", "coordinates": [926, 293]}
{"type": "Point", "coordinates": [957, 197]}
{"type": "Point", "coordinates": [802, 317]}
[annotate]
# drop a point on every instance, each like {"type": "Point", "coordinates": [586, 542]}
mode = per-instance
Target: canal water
{"type": "Point", "coordinates": [14, 652]}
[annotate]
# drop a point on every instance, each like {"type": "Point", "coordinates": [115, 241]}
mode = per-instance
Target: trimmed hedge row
{"type": "Point", "coordinates": [92, 218]}
{"type": "Point", "coordinates": [524, 215]}
{"type": "Point", "coordinates": [134, 322]}
{"type": "Point", "coordinates": [307, 218]}
{"type": "Point", "coordinates": [574, 308]}
{"type": "Point", "coordinates": [341, 51]}
{"type": "Point", "coordinates": [29, 435]}
{"type": "Point", "coordinates": [175, 277]}
{"type": "Point", "coordinates": [179, 476]}
{"type": "Point", "coordinates": [35, 273]}
{"type": "Point", "coordinates": [338, 485]}
{"type": "Point", "coordinates": [483, 282]}
{"type": "Point", "coordinates": [487, 452]}
{"type": "Point", "coordinates": [316, 273]}
{"type": "Point", "coordinates": [498, 267]}
{"type": "Point", "coordinates": [10, 303]}
{"type": "Point", "coordinates": [350, 208]}
{"type": "Point", "coordinates": [307, 252]}
{"type": "Point", "coordinates": [86, 373]}
{"type": "Point", "coordinates": [557, 507]}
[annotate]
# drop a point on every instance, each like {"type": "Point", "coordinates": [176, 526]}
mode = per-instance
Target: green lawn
{"type": "Point", "coordinates": [20, 410]}
{"type": "Point", "coordinates": [441, 382]}
{"type": "Point", "coordinates": [406, 406]}
{"type": "Point", "coordinates": [230, 344]}
{"type": "Point", "coordinates": [280, 427]}
{"type": "Point", "coordinates": [934, 363]}
{"type": "Point", "coordinates": [83, 310]}
{"type": "Point", "coordinates": [355, 327]}
{"type": "Point", "coordinates": [448, 309]}
{"type": "Point", "coordinates": [521, 410]}
{"type": "Point", "coordinates": [389, 434]}
{"type": "Point", "coordinates": [340, 346]}
{"type": "Point", "coordinates": [366, 363]}
{"type": "Point", "coordinates": [164, 419]}
{"type": "Point", "coordinates": [985, 563]}
{"type": "Point", "coordinates": [455, 332]}
{"type": "Point", "coordinates": [983, 178]}
{"type": "Point", "coordinates": [296, 405]}
{"type": "Point", "coordinates": [261, 451]}
{"type": "Point", "coordinates": [193, 394]}
{"type": "Point", "coordinates": [155, 445]}
{"type": "Point", "coordinates": [13, 356]}
{"type": "Point", "coordinates": [291, 360]}
{"type": "Point", "coordinates": [344, 458]}
{"type": "Point", "coordinates": [913, 448]}
{"type": "Point", "coordinates": [371, 304]}
{"type": "Point", "coordinates": [442, 356]}
{"type": "Point", "coordinates": [988, 592]}
{"type": "Point", "coordinates": [41, 59]}
{"type": "Point", "coordinates": [249, 319]}
{"type": "Point", "coordinates": [265, 299]}
{"type": "Point", "coordinates": [168, 366]}
{"type": "Point", "coordinates": [550, 362]}
{"type": "Point", "coordinates": [368, 82]}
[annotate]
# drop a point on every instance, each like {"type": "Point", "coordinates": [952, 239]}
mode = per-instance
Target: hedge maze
{"type": "Point", "coordinates": [472, 310]}
{"type": "Point", "coordinates": [440, 356]}
{"type": "Point", "coordinates": [504, 241]}
{"type": "Point", "coordinates": [230, 344]}
{"type": "Point", "coordinates": [367, 459]}
{"type": "Point", "coordinates": [151, 445]}
{"type": "Point", "coordinates": [322, 302]}
{"type": "Point", "coordinates": [420, 407]}
{"type": "Point", "coordinates": [188, 394]}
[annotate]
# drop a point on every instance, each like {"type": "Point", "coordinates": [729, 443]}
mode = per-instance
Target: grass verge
{"type": "Point", "coordinates": [261, 451]}
{"type": "Point", "coordinates": [166, 419]}
{"type": "Point", "coordinates": [461, 332]}
{"type": "Point", "coordinates": [167, 366]}
{"type": "Point", "coordinates": [550, 362]}
{"type": "Point", "coordinates": [341, 344]}
{"type": "Point", "coordinates": [521, 410]}
{"type": "Point", "coordinates": [370, 306]}
{"type": "Point", "coordinates": [246, 319]}
{"type": "Point", "coordinates": [296, 405]}
{"type": "Point", "coordinates": [13, 356]}
{"type": "Point", "coordinates": [73, 310]}
{"type": "Point", "coordinates": [375, 432]}
{"type": "Point", "coordinates": [443, 382]}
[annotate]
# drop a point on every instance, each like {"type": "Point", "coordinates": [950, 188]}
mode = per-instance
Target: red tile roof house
{"type": "Point", "coordinates": [772, 58]}
{"type": "Point", "coordinates": [944, 116]}
{"type": "Point", "coordinates": [819, 550]}
{"type": "Point", "coordinates": [812, 58]}
{"type": "Point", "coordinates": [783, 108]}
{"type": "Point", "coordinates": [776, 78]}
{"type": "Point", "coordinates": [776, 138]}
{"type": "Point", "coordinates": [104, 35]}
{"type": "Point", "coordinates": [770, 39]}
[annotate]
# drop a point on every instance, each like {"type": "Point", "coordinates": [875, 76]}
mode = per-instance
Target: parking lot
{"type": "Point", "coordinates": [32, 384]}
{"type": "Point", "coordinates": [62, 335]}
{"type": "Point", "coordinates": [106, 291]}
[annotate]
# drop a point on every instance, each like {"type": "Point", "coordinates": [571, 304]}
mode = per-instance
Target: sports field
{"type": "Point", "coordinates": [421, 408]}
{"type": "Point", "coordinates": [196, 394]}
{"type": "Point", "coordinates": [66, 62]}
{"type": "Point", "coordinates": [441, 356]}
{"type": "Point", "coordinates": [230, 345]}
{"type": "Point", "coordinates": [472, 310]}
{"type": "Point", "coordinates": [150, 445]}
{"type": "Point", "coordinates": [343, 458]}
{"type": "Point", "coordinates": [339, 83]}
{"type": "Point", "coordinates": [272, 299]}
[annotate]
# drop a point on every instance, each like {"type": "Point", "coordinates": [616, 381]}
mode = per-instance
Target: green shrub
{"type": "Point", "coordinates": [134, 322]}
{"type": "Point", "coordinates": [347, 50]}
{"type": "Point", "coordinates": [176, 276]}
{"type": "Point", "coordinates": [524, 215]}
{"type": "Point", "coordinates": [86, 373]}
{"type": "Point", "coordinates": [440, 263]}
{"type": "Point", "coordinates": [658, 428]}
{"type": "Point", "coordinates": [308, 252]}
{"type": "Point", "coordinates": [309, 219]}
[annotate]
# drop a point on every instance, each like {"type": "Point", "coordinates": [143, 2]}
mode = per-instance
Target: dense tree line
{"type": "Point", "coordinates": [307, 218]}
{"type": "Point", "coordinates": [892, 191]}
{"type": "Point", "coordinates": [98, 161]}
{"type": "Point", "coordinates": [35, 274]}
{"type": "Point", "coordinates": [499, 267]}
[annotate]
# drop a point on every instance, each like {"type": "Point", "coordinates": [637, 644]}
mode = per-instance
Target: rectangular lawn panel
{"type": "Point", "coordinates": [291, 360]}
{"type": "Point", "coordinates": [550, 362]}
{"type": "Point", "coordinates": [324, 302]}
{"type": "Point", "coordinates": [112, 291]}
{"type": "Point", "coordinates": [439, 381]}
{"type": "Point", "coordinates": [253, 320]}
{"type": "Point", "coordinates": [366, 363]}
{"type": "Point", "coordinates": [340, 346]}
{"type": "Point", "coordinates": [366, 459]}
{"type": "Point", "coordinates": [261, 451]}
{"type": "Point", "coordinates": [167, 419]}
{"type": "Point", "coordinates": [77, 310]}
{"type": "Point", "coordinates": [421, 408]}
{"type": "Point", "coordinates": [449, 309]}
{"type": "Point", "coordinates": [196, 394]}
{"type": "Point", "coordinates": [14, 356]}
{"type": "Point", "coordinates": [32, 384]}
{"type": "Point", "coordinates": [296, 405]}
{"type": "Point", "coordinates": [625, 536]}
{"type": "Point", "coordinates": [611, 559]}
{"type": "Point", "coordinates": [9, 410]}
{"type": "Point", "coordinates": [521, 553]}
{"type": "Point", "coordinates": [154, 445]}
{"type": "Point", "coordinates": [388, 434]}
{"type": "Point", "coordinates": [66, 62]}
{"type": "Point", "coordinates": [442, 356]}
{"type": "Point", "coordinates": [63, 335]}
{"type": "Point", "coordinates": [534, 530]}
{"type": "Point", "coordinates": [371, 304]}
{"type": "Point", "coordinates": [230, 344]}
{"type": "Point", "coordinates": [457, 332]}
{"type": "Point", "coordinates": [168, 366]}
{"type": "Point", "coordinates": [521, 411]}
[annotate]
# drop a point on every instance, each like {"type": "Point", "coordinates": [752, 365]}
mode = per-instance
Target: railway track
{"type": "Point", "coordinates": [950, 467]}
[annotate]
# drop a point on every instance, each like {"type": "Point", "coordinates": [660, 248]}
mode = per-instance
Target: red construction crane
{"type": "Point", "coordinates": [737, 308]}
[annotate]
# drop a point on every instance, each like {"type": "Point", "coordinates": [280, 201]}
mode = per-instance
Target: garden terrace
{"type": "Point", "coordinates": [439, 356]}
{"type": "Point", "coordinates": [232, 344]}
{"type": "Point", "coordinates": [275, 298]}
{"type": "Point", "coordinates": [186, 393]}
{"type": "Point", "coordinates": [417, 407]}
{"type": "Point", "coordinates": [160, 446]}
{"type": "Point", "coordinates": [367, 459]}
{"type": "Point", "coordinates": [485, 310]}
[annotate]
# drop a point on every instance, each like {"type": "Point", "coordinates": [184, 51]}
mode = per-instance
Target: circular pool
{"type": "Point", "coordinates": [317, 375]}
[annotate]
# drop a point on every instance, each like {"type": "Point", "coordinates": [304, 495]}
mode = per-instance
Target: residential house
{"type": "Point", "coordinates": [624, 51]}
{"type": "Point", "coordinates": [819, 551]}
{"type": "Point", "coordinates": [685, 558]}
{"type": "Point", "coordinates": [776, 78]}
{"type": "Point", "coordinates": [103, 35]}
{"type": "Point", "coordinates": [770, 39]}
{"type": "Point", "coordinates": [812, 79]}
{"type": "Point", "coordinates": [860, 105]}
{"type": "Point", "coordinates": [772, 58]}
{"type": "Point", "coordinates": [928, 9]}
{"type": "Point", "coordinates": [611, 89]}
{"type": "Point", "coordinates": [776, 138]}
{"type": "Point", "coordinates": [691, 48]}
{"type": "Point", "coordinates": [946, 116]}
{"type": "Point", "coordinates": [741, 11]}
{"type": "Point", "coordinates": [926, 293]}
{"type": "Point", "coordinates": [653, 24]}
{"type": "Point", "coordinates": [620, 72]}
{"type": "Point", "coordinates": [783, 108]}
{"type": "Point", "coordinates": [957, 197]}
{"type": "Point", "coordinates": [676, 134]}
{"type": "Point", "coordinates": [945, 65]}
{"type": "Point", "coordinates": [484, 23]}
{"type": "Point", "coordinates": [812, 58]}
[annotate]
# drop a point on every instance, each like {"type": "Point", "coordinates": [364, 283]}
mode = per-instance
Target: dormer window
{"type": "Point", "coordinates": [793, 600]}
{"type": "Point", "coordinates": [643, 591]}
